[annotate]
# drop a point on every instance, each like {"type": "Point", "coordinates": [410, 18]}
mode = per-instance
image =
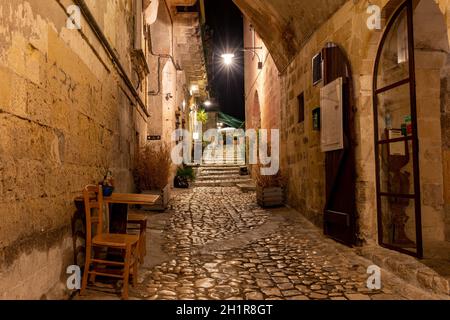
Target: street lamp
{"type": "Point", "coordinates": [228, 57]}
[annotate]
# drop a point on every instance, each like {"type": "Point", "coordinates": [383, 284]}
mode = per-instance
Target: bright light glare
{"type": "Point", "coordinates": [207, 103]}
{"type": "Point", "coordinates": [228, 58]}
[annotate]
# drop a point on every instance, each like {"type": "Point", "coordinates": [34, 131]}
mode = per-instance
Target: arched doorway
{"type": "Point", "coordinates": [256, 112]}
{"type": "Point", "coordinates": [408, 139]}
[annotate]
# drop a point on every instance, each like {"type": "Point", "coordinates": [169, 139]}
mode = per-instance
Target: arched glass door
{"type": "Point", "coordinates": [396, 137]}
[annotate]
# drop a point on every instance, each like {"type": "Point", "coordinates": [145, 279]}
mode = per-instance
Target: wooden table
{"type": "Point", "coordinates": [118, 208]}
{"type": "Point", "coordinates": [132, 198]}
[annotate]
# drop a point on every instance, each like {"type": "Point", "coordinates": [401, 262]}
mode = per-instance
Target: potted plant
{"type": "Point", "coordinates": [202, 116]}
{"type": "Point", "coordinates": [152, 172]}
{"type": "Point", "coordinates": [269, 189]}
{"type": "Point", "coordinates": [183, 177]}
{"type": "Point", "coordinates": [108, 184]}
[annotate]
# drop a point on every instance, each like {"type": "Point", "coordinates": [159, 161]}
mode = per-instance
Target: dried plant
{"type": "Point", "coordinates": [152, 169]}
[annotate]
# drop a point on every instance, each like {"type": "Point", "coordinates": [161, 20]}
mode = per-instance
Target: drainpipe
{"type": "Point", "coordinates": [160, 55]}
{"type": "Point", "coordinates": [115, 59]}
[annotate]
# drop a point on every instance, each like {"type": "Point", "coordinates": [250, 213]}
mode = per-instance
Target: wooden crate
{"type": "Point", "coordinates": [270, 197]}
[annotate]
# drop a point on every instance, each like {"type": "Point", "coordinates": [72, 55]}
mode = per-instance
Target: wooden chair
{"type": "Point", "coordinates": [128, 245]}
{"type": "Point", "coordinates": [141, 221]}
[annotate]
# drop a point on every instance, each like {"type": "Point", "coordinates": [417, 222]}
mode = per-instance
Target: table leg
{"type": "Point", "coordinates": [118, 218]}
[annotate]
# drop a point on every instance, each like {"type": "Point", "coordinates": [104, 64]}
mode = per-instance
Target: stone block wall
{"type": "Point", "coordinates": [66, 116]}
{"type": "Point", "coordinates": [262, 87]}
{"type": "Point", "coordinates": [302, 159]}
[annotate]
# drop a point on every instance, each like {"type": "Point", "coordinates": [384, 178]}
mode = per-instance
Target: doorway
{"type": "Point", "coordinates": [407, 122]}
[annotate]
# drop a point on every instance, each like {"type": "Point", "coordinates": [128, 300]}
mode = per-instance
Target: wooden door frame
{"type": "Point", "coordinates": [347, 157]}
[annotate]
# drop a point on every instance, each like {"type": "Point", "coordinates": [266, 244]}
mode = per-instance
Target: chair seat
{"type": "Point", "coordinates": [115, 240]}
{"type": "Point", "coordinates": [136, 218]}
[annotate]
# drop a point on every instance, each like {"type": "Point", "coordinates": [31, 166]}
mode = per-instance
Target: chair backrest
{"type": "Point", "coordinates": [93, 199]}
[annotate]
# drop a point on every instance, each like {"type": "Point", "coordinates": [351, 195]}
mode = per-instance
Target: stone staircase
{"type": "Point", "coordinates": [229, 155]}
{"type": "Point", "coordinates": [220, 176]}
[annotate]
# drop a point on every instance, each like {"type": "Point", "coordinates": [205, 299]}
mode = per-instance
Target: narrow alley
{"type": "Point", "coordinates": [216, 243]}
{"type": "Point", "coordinates": [222, 150]}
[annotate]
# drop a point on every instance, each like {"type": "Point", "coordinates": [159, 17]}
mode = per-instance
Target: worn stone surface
{"type": "Point", "coordinates": [293, 261]}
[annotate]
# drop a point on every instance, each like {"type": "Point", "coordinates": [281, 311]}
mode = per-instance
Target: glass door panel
{"type": "Point", "coordinates": [394, 58]}
{"type": "Point", "coordinates": [396, 168]}
{"type": "Point", "coordinates": [399, 223]}
{"type": "Point", "coordinates": [394, 112]}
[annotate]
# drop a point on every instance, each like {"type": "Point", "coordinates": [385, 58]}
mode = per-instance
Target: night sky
{"type": "Point", "coordinates": [225, 19]}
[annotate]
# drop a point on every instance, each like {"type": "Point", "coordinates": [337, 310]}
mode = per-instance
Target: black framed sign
{"type": "Point", "coordinates": [317, 68]}
{"type": "Point", "coordinates": [153, 138]}
{"type": "Point", "coordinates": [316, 119]}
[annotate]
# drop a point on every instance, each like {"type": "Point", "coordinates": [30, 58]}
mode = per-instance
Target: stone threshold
{"type": "Point", "coordinates": [407, 268]}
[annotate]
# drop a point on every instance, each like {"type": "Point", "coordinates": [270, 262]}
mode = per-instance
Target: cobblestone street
{"type": "Point", "coordinates": [216, 243]}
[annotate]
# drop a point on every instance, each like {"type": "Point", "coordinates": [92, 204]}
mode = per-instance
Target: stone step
{"type": "Point", "coordinates": [220, 183]}
{"type": "Point", "coordinates": [221, 167]}
{"type": "Point", "coordinates": [408, 268]}
{"type": "Point", "coordinates": [206, 161]}
{"type": "Point", "coordinates": [223, 172]}
{"type": "Point", "coordinates": [220, 177]}
{"type": "Point", "coordinates": [247, 187]}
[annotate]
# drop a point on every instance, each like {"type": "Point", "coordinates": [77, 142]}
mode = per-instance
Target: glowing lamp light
{"type": "Point", "coordinates": [207, 103]}
{"type": "Point", "coordinates": [194, 89]}
{"type": "Point", "coordinates": [228, 58]}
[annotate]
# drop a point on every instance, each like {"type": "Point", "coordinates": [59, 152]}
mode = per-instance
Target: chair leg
{"type": "Point", "coordinates": [141, 252]}
{"type": "Point", "coordinates": [144, 240]}
{"type": "Point", "coordinates": [126, 276]}
{"type": "Point", "coordinates": [135, 265]}
{"type": "Point", "coordinates": [87, 265]}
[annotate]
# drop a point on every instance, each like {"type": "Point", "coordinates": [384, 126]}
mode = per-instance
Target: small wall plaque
{"type": "Point", "coordinates": [153, 138]}
{"type": "Point", "coordinates": [316, 119]}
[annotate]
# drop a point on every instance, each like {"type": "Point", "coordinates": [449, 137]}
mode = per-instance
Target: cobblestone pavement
{"type": "Point", "coordinates": [223, 246]}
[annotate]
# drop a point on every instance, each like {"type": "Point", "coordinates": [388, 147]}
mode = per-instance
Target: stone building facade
{"type": "Point", "coordinates": [74, 102]}
{"type": "Point", "coordinates": [297, 31]}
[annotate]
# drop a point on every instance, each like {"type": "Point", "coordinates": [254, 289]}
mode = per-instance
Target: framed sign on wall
{"type": "Point", "coordinates": [317, 69]}
{"type": "Point", "coordinates": [331, 105]}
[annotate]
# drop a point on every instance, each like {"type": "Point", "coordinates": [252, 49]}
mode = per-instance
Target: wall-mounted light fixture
{"type": "Point", "coordinates": [229, 57]}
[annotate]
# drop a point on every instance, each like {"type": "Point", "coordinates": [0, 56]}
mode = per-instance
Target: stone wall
{"type": "Point", "coordinates": [66, 116]}
{"type": "Point", "coordinates": [262, 87]}
{"type": "Point", "coordinates": [302, 159]}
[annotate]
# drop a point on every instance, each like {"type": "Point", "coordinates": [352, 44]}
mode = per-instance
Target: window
{"type": "Point", "coordinates": [317, 68]}
{"type": "Point", "coordinates": [301, 108]}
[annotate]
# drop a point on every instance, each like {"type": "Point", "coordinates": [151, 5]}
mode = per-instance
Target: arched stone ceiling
{"type": "Point", "coordinates": [285, 25]}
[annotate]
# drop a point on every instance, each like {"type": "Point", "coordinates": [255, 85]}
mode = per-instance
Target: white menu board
{"type": "Point", "coordinates": [331, 105]}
